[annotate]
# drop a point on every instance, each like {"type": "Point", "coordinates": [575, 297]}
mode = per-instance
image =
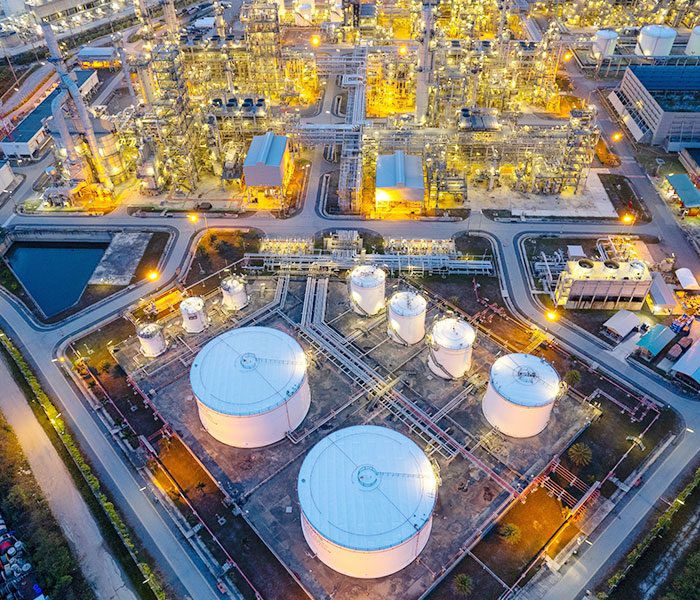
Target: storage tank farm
{"type": "Point", "coordinates": [234, 295]}
{"type": "Point", "coordinates": [152, 339]}
{"type": "Point", "coordinates": [520, 394]}
{"type": "Point", "coordinates": [655, 40]}
{"type": "Point", "coordinates": [194, 316]}
{"type": "Point", "coordinates": [406, 318]}
{"type": "Point", "coordinates": [451, 341]}
{"type": "Point", "coordinates": [367, 289]}
{"type": "Point", "coordinates": [604, 43]}
{"type": "Point", "coordinates": [367, 495]}
{"type": "Point", "coordinates": [251, 386]}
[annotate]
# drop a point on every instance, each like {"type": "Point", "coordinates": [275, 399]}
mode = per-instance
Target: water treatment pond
{"type": "Point", "coordinates": [55, 274]}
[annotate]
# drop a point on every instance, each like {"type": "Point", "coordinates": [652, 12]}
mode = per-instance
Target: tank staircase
{"type": "Point", "coordinates": [418, 421]}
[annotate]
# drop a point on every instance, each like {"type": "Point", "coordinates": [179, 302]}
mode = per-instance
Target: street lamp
{"type": "Point", "coordinates": [617, 136]}
{"type": "Point", "coordinates": [315, 41]}
{"type": "Point", "coordinates": [628, 219]}
{"type": "Point", "coordinates": [552, 315]}
{"type": "Point", "coordinates": [568, 55]}
{"type": "Point", "coordinates": [193, 218]}
{"type": "Point", "coordinates": [153, 275]}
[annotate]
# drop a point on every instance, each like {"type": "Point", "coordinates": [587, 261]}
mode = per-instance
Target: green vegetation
{"type": "Point", "coordinates": [27, 512]}
{"type": "Point", "coordinates": [510, 533]}
{"type": "Point", "coordinates": [572, 378]}
{"type": "Point", "coordinates": [111, 523]}
{"type": "Point", "coordinates": [463, 585]}
{"type": "Point", "coordinates": [686, 585]}
{"type": "Point", "coordinates": [8, 279]}
{"type": "Point", "coordinates": [581, 454]}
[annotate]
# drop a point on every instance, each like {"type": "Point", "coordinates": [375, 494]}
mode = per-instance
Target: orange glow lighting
{"type": "Point", "coordinates": [153, 275]}
{"type": "Point", "coordinates": [316, 40]}
{"type": "Point", "coordinates": [617, 136]}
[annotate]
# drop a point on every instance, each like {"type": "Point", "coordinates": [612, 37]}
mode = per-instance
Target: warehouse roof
{"type": "Point", "coordinates": [266, 149]}
{"type": "Point", "coordinates": [622, 323]}
{"type": "Point", "coordinates": [656, 339]}
{"type": "Point", "coordinates": [92, 52]}
{"type": "Point", "coordinates": [661, 294]}
{"type": "Point", "coordinates": [687, 279]}
{"type": "Point", "coordinates": [689, 363]}
{"type": "Point", "coordinates": [399, 170]}
{"type": "Point", "coordinates": [688, 194]}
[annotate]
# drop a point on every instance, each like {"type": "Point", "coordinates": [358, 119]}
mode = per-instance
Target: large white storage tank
{"type": "Point", "coordinates": [194, 317]}
{"type": "Point", "coordinates": [451, 341]}
{"type": "Point", "coordinates": [152, 339]}
{"type": "Point", "coordinates": [604, 43]}
{"type": "Point", "coordinates": [520, 395]}
{"type": "Point", "coordinates": [406, 319]}
{"type": "Point", "coordinates": [655, 40]}
{"type": "Point", "coordinates": [367, 495]}
{"type": "Point", "coordinates": [367, 288]}
{"type": "Point", "coordinates": [692, 48]}
{"type": "Point", "coordinates": [251, 386]}
{"type": "Point", "coordinates": [234, 295]}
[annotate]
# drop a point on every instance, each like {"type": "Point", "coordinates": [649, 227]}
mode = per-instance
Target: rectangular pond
{"type": "Point", "coordinates": [55, 274]}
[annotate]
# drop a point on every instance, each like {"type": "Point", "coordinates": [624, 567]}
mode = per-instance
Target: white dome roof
{"type": "Point", "coordinates": [192, 304]}
{"type": "Point", "coordinates": [149, 330]}
{"type": "Point", "coordinates": [659, 31]}
{"type": "Point", "coordinates": [248, 371]}
{"type": "Point", "coordinates": [407, 304]}
{"type": "Point", "coordinates": [367, 488]}
{"type": "Point", "coordinates": [453, 334]}
{"type": "Point", "coordinates": [525, 379]}
{"type": "Point", "coordinates": [607, 34]}
{"type": "Point", "coordinates": [367, 276]}
{"type": "Point", "coordinates": [232, 284]}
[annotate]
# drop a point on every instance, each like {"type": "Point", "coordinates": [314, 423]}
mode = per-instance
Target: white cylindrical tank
{"type": "Point", "coordinates": [194, 318]}
{"type": "Point", "coordinates": [451, 342]}
{"type": "Point", "coordinates": [406, 319]}
{"type": "Point", "coordinates": [520, 395]}
{"type": "Point", "coordinates": [234, 295]}
{"type": "Point", "coordinates": [152, 339]}
{"type": "Point", "coordinates": [367, 495]}
{"type": "Point", "coordinates": [367, 288]}
{"type": "Point", "coordinates": [692, 48]}
{"type": "Point", "coordinates": [655, 40]}
{"type": "Point", "coordinates": [604, 43]}
{"type": "Point", "coordinates": [251, 386]}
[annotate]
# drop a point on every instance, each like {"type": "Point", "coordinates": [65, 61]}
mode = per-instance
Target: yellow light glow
{"type": "Point", "coordinates": [617, 136]}
{"type": "Point", "coordinates": [315, 41]}
{"type": "Point", "coordinates": [568, 55]}
{"type": "Point", "coordinates": [627, 219]}
{"type": "Point", "coordinates": [153, 275]}
{"type": "Point", "coordinates": [403, 50]}
{"type": "Point", "coordinates": [193, 218]}
{"type": "Point", "coordinates": [551, 315]}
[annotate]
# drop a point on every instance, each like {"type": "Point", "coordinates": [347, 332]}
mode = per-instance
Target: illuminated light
{"type": "Point", "coordinates": [193, 218]}
{"type": "Point", "coordinates": [153, 275]}
{"type": "Point", "coordinates": [617, 136]}
{"type": "Point", "coordinates": [568, 55]}
{"type": "Point", "coordinates": [403, 50]}
{"type": "Point", "coordinates": [627, 219]}
{"type": "Point", "coordinates": [551, 315]}
{"type": "Point", "coordinates": [315, 41]}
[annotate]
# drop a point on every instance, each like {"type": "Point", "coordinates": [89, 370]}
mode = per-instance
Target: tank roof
{"type": "Point", "coordinates": [248, 371]}
{"type": "Point", "coordinates": [148, 330]}
{"type": "Point", "coordinates": [659, 30]}
{"type": "Point", "coordinates": [453, 334]}
{"type": "Point", "coordinates": [193, 303]}
{"type": "Point", "coordinates": [367, 276]}
{"type": "Point", "coordinates": [525, 379]}
{"type": "Point", "coordinates": [231, 283]}
{"type": "Point", "coordinates": [367, 488]}
{"type": "Point", "coordinates": [407, 304]}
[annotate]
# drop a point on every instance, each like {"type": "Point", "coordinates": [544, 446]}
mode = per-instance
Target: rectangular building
{"type": "Point", "coordinates": [608, 285]}
{"type": "Point", "coordinates": [660, 105]}
{"type": "Point", "coordinates": [399, 183]}
{"type": "Point", "coordinates": [267, 169]}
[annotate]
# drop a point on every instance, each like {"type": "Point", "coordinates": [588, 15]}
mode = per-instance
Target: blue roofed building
{"type": "Point", "coordinates": [686, 192]}
{"type": "Point", "coordinates": [399, 182]}
{"type": "Point", "coordinates": [267, 170]}
{"type": "Point", "coordinates": [654, 341]}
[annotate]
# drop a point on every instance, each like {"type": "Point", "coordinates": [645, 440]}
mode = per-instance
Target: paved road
{"type": "Point", "coordinates": [96, 562]}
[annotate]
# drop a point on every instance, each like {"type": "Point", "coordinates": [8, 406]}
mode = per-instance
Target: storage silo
{"type": "Point", "coordinates": [520, 395]}
{"type": "Point", "coordinates": [367, 496]}
{"type": "Point", "coordinates": [692, 48]}
{"type": "Point", "coordinates": [655, 40]}
{"type": "Point", "coordinates": [450, 344]}
{"type": "Point", "coordinates": [234, 295]}
{"type": "Point", "coordinates": [367, 288]}
{"type": "Point", "coordinates": [251, 386]}
{"type": "Point", "coordinates": [406, 319]}
{"type": "Point", "coordinates": [152, 339]}
{"type": "Point", "coordinates": [604, 43]}
{"type": "Point", "coordinates": [194, 317]}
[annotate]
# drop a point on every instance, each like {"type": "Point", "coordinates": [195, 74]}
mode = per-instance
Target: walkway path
{"type": "Point", "coordinates": [105, 576]}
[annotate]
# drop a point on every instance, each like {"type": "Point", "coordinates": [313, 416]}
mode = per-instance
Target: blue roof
{"type": "Point", "coordinates": [656, 339]}
{"type": "Point", "coordinates": [33, 122]}
{"type": "Point", "coordinates": [266, 149]}
{"type": "Point", "coordinates": [688, 194]}
{"type": "Point", "coordinates": [662, 78]}
{"type": "Point", "coordinates": [694, 154]}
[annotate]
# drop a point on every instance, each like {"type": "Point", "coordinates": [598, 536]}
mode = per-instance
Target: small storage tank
{"type": "Point", "coordinates": [406, 319]}
{"type": "Point", "coordinates": [152, 339]}
{"type": "Point", "coordinates": [234, 295]}
{"type": "Point", "coordinates": [604, 43]}
{"type": "Point", "coordinates": [520, 395]}
{"type": "Point", "coordinates": [194, 318]}
{"type": "Point", "coordinates": [251, 386]}
{"type": "Point", "coordinates": [655, 40]}
{"type": "Point", "coordinates": [692, 48]}
{"type": "Point", "coordinates": [367, 496]}
{"type": "Point", "coordinates": [451, 342]}
{"type": "Point", "coordinates": [367, 288]}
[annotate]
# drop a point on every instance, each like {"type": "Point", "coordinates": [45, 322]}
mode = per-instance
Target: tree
{"type": "Point", "coordinates": [580, 454]}
{"type": "Point", "coordinates": [463, 585]}
{"type": "Point", "coordinates": [510, 533]}
{"type": "Point", "coordinates": [572, 378]}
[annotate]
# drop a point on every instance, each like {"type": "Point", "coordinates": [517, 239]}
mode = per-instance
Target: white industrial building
{"type": "Point", "coordinates": [406, 317]}
{"type": "Point", "coordinates": [451, 341]}
{"type": "Point", "coordinates": [607, 285]}
{"type": "Point", "coordinates": [399, 182]}
{"type": "Point", "coordinates": [520, 395]}
{"type": "Point", "coordinates": [367, 289]}
{"type": "Point", "coordinates": [267, 169]}
{"type": "Point", "coordinates": [251, 386]}
{"type": "Point", "coordinates": [367, 496]}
